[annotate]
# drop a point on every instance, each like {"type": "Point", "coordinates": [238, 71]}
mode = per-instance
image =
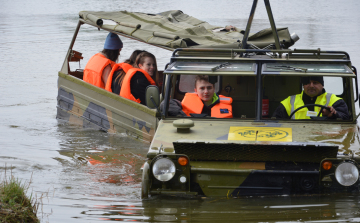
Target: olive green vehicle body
{"type": "Point", "coordinates": [89, 106]}
{"type": "Point", "coordinates": [245, 155]}
{"type": "Point", "coordinates": [223, 165]}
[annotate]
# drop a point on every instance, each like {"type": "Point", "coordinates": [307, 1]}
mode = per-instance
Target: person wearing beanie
{"type": "Point", "coordinates": [99, 66]}
{"type": "Point", "coordinates": [113, 42]}
{"type": "Point", "coordinates": [313, 93]}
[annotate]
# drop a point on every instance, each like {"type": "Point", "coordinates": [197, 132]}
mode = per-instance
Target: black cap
{"type": "Point", "coordinates": [306, 80]}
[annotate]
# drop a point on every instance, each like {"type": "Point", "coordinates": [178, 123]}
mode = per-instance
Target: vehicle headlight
{"type": "Point", "coordinates": [164, 169]}
{"type": "Point", "coordinates": [346, 174]}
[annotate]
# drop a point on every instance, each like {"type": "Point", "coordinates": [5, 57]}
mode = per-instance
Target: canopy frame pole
{"type": "Point", "coordinates": [272, 23]}
{"type": "Point", "coordinates": [65, 66]}
{"type": "Point", "coordinates": [248, 26]}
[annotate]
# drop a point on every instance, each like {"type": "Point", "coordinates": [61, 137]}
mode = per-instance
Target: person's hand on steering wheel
{"type": "Point", "coordinates": [329, 113]}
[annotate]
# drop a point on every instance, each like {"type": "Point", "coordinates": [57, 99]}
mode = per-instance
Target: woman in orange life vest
{"type": "Point", "coordinates": [118, 73]}
{"type": "Point", "coordinates": [132, 85]}
{"type": "Point", "coordinates": [205, 102]}
{"type": "Point", "coordinates": [99, 66]}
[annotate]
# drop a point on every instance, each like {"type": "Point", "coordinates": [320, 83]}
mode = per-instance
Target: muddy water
{"type": "Point", "coordinates": [90, 176]}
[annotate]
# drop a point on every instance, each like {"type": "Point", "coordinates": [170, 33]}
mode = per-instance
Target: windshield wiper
{"type": "Point", "coordinates": [301, 69]}
{"type": "Point", "coordinates": [223, 65]}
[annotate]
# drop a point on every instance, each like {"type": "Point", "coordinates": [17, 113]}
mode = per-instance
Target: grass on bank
{"type": "Point", "coordinates": [15, 206]}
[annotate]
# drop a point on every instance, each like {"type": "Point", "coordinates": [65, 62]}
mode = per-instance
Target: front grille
{"type": "Point", "coordinates": [200, 151]}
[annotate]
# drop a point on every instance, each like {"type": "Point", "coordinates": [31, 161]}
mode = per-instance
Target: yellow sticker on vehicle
{"type": "Point", "coordinates": [260, 134]}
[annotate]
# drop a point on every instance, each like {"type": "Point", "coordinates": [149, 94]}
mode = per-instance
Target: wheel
{"type": "Point", "coordinates": [145, 181]}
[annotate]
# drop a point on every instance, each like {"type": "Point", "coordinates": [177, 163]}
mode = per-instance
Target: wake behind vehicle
{"type": "Point", "coordinates": [251, 153]}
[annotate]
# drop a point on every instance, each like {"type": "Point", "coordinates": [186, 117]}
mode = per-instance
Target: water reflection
{"type": "Point", "coordinates": [248, 209]}
{"type": "Point", "coordinates": [103, 157]}
{"type": "Point", "coordinates": [105, 169]}
{"type": "Point", "coordinates": [346, 138]}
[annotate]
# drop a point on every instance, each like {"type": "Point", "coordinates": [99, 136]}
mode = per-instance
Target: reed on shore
{"type": "Point", "coordinates": [15, 206]}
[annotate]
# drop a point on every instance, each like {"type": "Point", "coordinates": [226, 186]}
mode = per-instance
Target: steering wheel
{"type": "Point", "coordinates": [309, 105]}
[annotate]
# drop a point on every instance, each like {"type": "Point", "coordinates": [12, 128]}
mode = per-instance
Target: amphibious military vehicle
{"type": "Point", "coordinates": [254, 153]}
{"type": "Point", "coordinates": [249, 154]}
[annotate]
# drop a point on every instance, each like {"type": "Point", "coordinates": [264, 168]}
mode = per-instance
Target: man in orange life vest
{"type": "Point", "coordinates": [100, 65]}
{"type": "Point", "coordinates": [205, 102]}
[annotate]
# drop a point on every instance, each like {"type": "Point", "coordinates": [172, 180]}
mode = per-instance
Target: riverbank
{"type": "Point", "coordinates": [15, 206]}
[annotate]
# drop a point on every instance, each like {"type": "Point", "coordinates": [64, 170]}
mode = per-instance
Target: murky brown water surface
{"type": "Point", "coordinates": [91, 176]}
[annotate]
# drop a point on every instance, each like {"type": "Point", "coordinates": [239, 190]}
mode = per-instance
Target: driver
{"type": "Point", "coordinates": [313, 93]}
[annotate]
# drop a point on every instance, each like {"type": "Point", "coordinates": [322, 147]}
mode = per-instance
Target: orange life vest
{"type": "Point", "coordinates": [125, 87]}
{"type": "Point", "coordinates": [119, 66]}
{"type": "Point", "coordinates": [94, 69]}
{"type": "Point", "coordinates": [193, 104]}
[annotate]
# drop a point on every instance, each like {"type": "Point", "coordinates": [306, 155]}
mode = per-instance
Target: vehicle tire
{"type": "Point", "coordinates": [145, 181]}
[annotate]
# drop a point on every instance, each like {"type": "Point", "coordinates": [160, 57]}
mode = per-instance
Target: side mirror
{"type": "Point", "coordinates": [152, 97]}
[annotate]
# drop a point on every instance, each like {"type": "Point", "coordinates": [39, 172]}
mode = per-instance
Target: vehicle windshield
{"type": "Point", "coordinates": [238, 82]}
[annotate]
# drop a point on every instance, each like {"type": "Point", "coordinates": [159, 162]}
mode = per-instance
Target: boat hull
{"type": "Point", "coordinates": [81, 103]}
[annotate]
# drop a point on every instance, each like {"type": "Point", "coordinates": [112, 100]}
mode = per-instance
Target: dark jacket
{"type": "Point", "coordinates": [138, 85]}
{"type": "Point", "coordinates": [207, 109]}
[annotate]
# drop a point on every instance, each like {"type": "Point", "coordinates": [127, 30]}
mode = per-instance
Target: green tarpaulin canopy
{"type": "Point", "coordinates": [174, 29]}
